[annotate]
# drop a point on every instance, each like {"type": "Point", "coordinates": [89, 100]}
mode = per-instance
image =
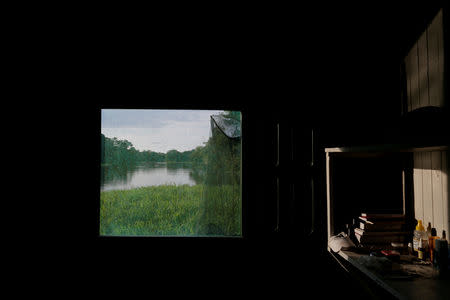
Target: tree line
{"type": "Point", "coordinates": [115, 152]}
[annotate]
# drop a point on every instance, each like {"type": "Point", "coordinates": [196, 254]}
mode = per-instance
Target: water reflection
{"type": "Point", "coordinates": [115, 178]}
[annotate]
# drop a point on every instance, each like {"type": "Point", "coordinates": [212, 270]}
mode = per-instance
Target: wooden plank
{"type": "Point", "coordinates": [417, 179]}
{"type": "Point", "coordinates": [422, 54]}
{"type": "Point", "coordinates": [276, 145]}
{"type": "Point", "coordinates": [409, 92]}
{"type": "Point", "coordinates": [404, 192]}
{"type": "Point", "coordinates": [445, 196]}
{"type": "Point", "coordinates": [408, 80]}
{"type": "Point", "coordinates": [440, 39]}
{"type": "Point", "coordinates": [433, 61]}
{"type": "Point", "coordinates": [277, 225]}
{"type": "Point", "coordinates": [330, 228]}
{"type": "Point", "coordinates": [408, 189]}
{"type": "Point", "coordinates": [383, 149]}
{"type": "Point", "coordinates": [427, 189]}
{"type": "Point", "coordinates": [436, 181]}
{"type": "Point", "coordinates": [414, 69]}
{"type": "Point", "coordinates": [435, 83]}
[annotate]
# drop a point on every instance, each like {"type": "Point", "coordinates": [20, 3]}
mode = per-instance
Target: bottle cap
{"type": "Point", "coordinates": [420, 226]}
{"type": "Point", "coordinates": [433, 232]}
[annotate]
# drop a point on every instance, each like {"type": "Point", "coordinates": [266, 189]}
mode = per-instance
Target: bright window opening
{"type": "Point", "coordinates": [170, 173]}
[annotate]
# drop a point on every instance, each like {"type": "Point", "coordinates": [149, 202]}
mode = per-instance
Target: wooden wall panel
{"type": "Point", "coordinates": [441, 52]}
{"type": "Point", "coordinates": [445, 195]}
{"type": "Point", "coordinates": [422, 55]}
{"type": "Point", "coordinates": [435, 61]}
{"type": "Point", "coordinates": [330, 219]}
{"type": "Point", "coordinates": [436, 181]}
{"type": "Point", "coordinates": [427, 195]}
{"type": "Point", "coordinates": [424, 66]}
{"type": "Point", "coordinates": [414, 75]}
{"type": "Point", "coordinates": [408, 81]}
{"type": "Point", "coordinates": [417, 179]}
{"type": "Point", "coordinates": [431, 198]}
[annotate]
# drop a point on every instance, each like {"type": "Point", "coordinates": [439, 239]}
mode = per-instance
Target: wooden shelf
{"type": "Point", "coordinates": [383, 149]}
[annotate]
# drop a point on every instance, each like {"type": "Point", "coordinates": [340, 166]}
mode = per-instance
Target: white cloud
{"type": "Point", "coordinates": [158, 130]}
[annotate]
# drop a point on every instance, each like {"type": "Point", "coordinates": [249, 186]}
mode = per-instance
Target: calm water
{"type": "Point", "coordinates": [145, 175]}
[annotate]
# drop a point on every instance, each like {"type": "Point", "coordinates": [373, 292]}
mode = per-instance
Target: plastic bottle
{"type": "Point", "coordinates": [429, 229]}
{"type": "Point", "coordinates": [441, 256]}
{"type": "Point", "coordinates": [421, 252]}
{"type": "Point", "coordinates": [420, 234]}
{"type": "Point", "coordinates": [431, 240]}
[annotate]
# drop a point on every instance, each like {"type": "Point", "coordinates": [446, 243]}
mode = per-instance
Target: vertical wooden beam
{"type": "Point", "coordinates": [422, 54]}
{"type": "Point", "coordinates": [445, 195]}
{"type": "Point", "coordinates": [414, 69]}
{"type": "Point", "coordinates": [404, 192]}
{"type": "Point", "coordinates": [418, 194]}
{"type": "Point", "coordinates": [427, 189]}
{"type": "Point", "coordinates": [433, 62]}
{"type": "Point", "coordinates": [441, 66]}
{"type": "Point", "coordinates": [408, 190]}
{"type": "Point", "coordinates": [436, 61]}
{"type": "Point", "coordinates": [436, 181]}
{"type": "Point", "coordinates": [330, 227]}
{"type": "Point", "coordinates": [408, 80]}
{"type": "Point", "coordinates": [277, 220]}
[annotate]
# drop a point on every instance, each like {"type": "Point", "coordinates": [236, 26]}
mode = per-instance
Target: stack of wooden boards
{"type": "Point", "coordinates": [380, 230]}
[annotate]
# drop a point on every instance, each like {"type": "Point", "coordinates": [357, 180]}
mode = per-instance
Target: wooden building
{"type": "Point", "coordinates": [344, 108]}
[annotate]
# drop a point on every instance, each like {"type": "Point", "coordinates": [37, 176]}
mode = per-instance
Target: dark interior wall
{"type": "Point", "coordinates": [415, 18]}
{"type": "Point", "coordinates": [367, 185]}
{"type": "Point", "coordinates": [334, 69]}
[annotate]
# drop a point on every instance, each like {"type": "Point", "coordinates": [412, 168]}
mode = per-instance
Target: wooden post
{"type": "Point", "coordinates": [330, 226]}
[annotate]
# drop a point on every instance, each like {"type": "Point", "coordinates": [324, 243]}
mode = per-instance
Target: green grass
{"type": "Point", "coordinates": [171, 210]}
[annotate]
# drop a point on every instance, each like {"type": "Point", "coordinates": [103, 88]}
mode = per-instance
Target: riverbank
{"type": "Point", "coordinates": [171, 210]}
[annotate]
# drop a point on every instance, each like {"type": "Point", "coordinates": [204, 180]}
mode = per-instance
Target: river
{"type": "Point", "coordinates": [145, 175]}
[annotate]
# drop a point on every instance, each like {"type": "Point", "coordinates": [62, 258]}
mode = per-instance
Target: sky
{"type": "Point", "coordinates": [158, 130]}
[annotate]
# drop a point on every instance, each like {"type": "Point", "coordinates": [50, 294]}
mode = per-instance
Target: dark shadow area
{"type": "Point", "coordinates": [328, 69]}
{"type": "Point", "coordinates": [366, 185]}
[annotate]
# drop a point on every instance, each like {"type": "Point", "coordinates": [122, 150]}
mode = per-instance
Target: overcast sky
{"type": "Point", "coordinates": [158, 130]}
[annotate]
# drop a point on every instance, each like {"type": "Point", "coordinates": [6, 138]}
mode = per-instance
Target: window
{"type": "Point", "coordinates": [170, 173]}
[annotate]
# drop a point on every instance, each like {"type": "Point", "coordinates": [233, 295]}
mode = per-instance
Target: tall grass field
{"type": "Point", "coordinates": [171, 210]}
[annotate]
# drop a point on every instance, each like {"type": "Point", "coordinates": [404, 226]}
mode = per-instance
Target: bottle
{"type": "Point", "coordinates": [351, 232]}
{"type": "Point", "coordinates": [443, 235]}
{"type": "Point", "coordinates": [429, 229]}
{"type": "Point", "coordinates": [431, 240]}
{"type": "Point", "coordinates": [420, 250]}
{"type": "Point", "coordinates": [420, 234]}
{"type": "Point", "coordinates": [441, 256]}
{"type": "Point", "coordinates": [410, 249]}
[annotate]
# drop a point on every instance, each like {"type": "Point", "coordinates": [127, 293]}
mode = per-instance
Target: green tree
{"type": "Point", "coordinates": [233, 115]}
{"type": "Point", "coordinates": [173, 156]}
